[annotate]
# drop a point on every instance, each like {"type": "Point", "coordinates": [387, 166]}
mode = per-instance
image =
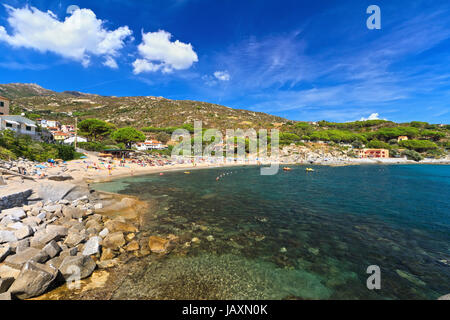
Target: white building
{"type": "Point", "coordinates": [18, 124]}
{"type": "Point", "coordinates": [150, 145]}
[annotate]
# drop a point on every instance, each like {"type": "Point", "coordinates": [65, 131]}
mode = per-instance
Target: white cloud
{"type": "Point", "coordinates": [79, 37]}
{"type": "Point", "coordinates": [110, 62]}
{"type": "Point", "coordinates": [222, 75]}
{"type": "Point", "coordinates": [159, 53]}
{"type": "Point", "coordinates": [142, 65]}
{"type": "Point", "coordinates": [373, 116]}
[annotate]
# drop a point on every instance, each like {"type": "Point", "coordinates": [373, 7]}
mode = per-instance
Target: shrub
{"type": "Point", "coordinates": [418, 145]}
{"type": "Point", "coordinates": [413, 155]}
{"type": "Point", "coordinates": [378, 145]}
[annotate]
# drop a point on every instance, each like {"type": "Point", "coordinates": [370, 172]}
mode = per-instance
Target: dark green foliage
{"type": "Point", "coordinates": [413, 155]}
{"type": "Point", "coordinates": [418, 145]}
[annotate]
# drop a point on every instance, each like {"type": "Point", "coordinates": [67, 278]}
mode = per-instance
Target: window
{"type": "Point", "coordinates": [2, 104]}
{"type": "Point", "coordinates": [28, 128]}
{"type": "Point", "coordinates": [9, 125]}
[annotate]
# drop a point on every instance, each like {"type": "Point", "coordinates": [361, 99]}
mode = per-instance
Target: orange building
{"type": "Point", "coordinates": [373, 153]}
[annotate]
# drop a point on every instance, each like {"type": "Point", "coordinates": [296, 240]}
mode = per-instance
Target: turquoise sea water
{"type": "Point", "coordinates": [295, 235]}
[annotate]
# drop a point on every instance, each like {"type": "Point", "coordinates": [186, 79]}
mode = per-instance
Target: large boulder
{"type": "Point", "coordinates": [24, 232]}
{"type": "Point", "coordinates": [34, 279]}
{"type": "Point", "coordinates": [83, 266]}
{"type": "Point", "coordinates": [75, 238]}
{"type": "Point", "coordinates": [54, 191]}
{"type": "Point", "coordinates": [114, 240]}
{"type": "Point", "coordinates": [158, 244]}
{"type": "Point", "coordinates": [59, 230]}
{"type": "Point", "coordinates": [30, 254]}
{"type": "Point", "coordinates": [92, 246]}
{"type": "Point", "coordinates": [52, 249]}
{"type": "Point", "coordinates": [43, 237]}
{"type": "Point", "coordinates": [14, 213]}
{"type": "Point", "coordinates": [7, 236]}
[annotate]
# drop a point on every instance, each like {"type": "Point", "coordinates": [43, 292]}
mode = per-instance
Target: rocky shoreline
{"type": "Point", "coordinates": [55, 233]}
{"type": "Point", "coordinates": [46, 244]}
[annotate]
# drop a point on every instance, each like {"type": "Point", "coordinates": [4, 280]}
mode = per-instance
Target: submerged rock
{"type": "Point", "coordinates": [114, 240]}
{"type": "Point", "coordinates": [157, 244]}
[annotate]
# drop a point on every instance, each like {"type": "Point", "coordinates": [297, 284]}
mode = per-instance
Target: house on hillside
{"type": "Point", "coordinates": [18, 124]}
{"type": "Point", "coordinates": [60, 136]}
{"type": "Point", "coordinates": [373, 153]}
{"type": "Point", "coordinates": [402, 138]}
{"type": "Point", "coordinates": [4, 106]}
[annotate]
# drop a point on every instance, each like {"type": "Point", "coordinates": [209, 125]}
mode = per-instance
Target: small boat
{"type": "Point", "coordinates": [287, 169]}
{"type": "Point", "coordinates": [310, 170]}
{"type": "Point", "coordinates": [187, 172]}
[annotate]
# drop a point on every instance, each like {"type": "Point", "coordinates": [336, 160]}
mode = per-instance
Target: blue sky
{"type": "Point", "coordinates": [303, 60]}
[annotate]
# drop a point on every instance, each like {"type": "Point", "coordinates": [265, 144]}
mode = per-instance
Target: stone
{"type": "Point", "coordinates": [92, 246]}
{"type": "Point", "coordinates": [7, 236]}
{"type": "Point", "coordinates": [104, 232]}
{"type": "Point", "coordinates": [40, 240]}
{"type": "Point", "coordinates": [32, 221]}
{"type": "Point", "coordinates": [107, 254]}
{"type": "Point", "coordinates": [132, 246]}
{"type": "Point", "coordinates": [52, 249]}
{"type": "Point", "coordinates": [9, 271]}
{"type": "Point", "coordinates": [92, 224]}
{"type": "Point", "coordinates": [114, 240]}
{"type": "Point", "coordinates": [14, 213]}
{"type": "Point", "coordinates": [55, 262]}
{"type": "Point", "coordinates": [195, 240]}
{"type": "Point", "coordinates": [72, 212]}
{"type": "Point", "coordinates": [130, 236]}
{"type": "Point", "coordinates": [55, 191]}
{"type": "Point", "coordinates": [81, 265]}
{"type": "Point", "coordinates": [5, 283]}
{"type": "Point", "coordinates": [105, 264]}
{"type": "Point", "coordinates": [35, 211]}
{"type": "Point", "coordinates": [98, 206]}
{"type": "Point", "coordinates": [59, 230]}
{"type": "Point", "coordinates": [41, 216]}
{"type": "Point", "coordinates": [5, 296]}
{"type": "Point", "coordinates": [4, 252]}
{"type": "Point", "coordinates": [115, 225]}
{"type": "Point", "coordinates": [53, 208]}
{"type": "Point", "coordinates": [16, 225]}
{"type": "Point", "coordinates": [157, 244]}
{"type": "Point", "coordinates": [30, 254]}
{"type": "Point", "coordinates": [24, 232]}
{"type": "Point", "coordinates": [34, 279]}
{"type": "Point", "coordinates": [74, 239]}
{"type": "Point", "coordinates": [22, 245]}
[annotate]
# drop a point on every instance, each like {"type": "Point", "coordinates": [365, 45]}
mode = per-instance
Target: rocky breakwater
{"type": "Point", "coordinates": [45, 245]}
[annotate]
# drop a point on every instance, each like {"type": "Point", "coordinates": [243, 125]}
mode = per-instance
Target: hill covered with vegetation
{"type": "Point", "coordinates": [158, 117]}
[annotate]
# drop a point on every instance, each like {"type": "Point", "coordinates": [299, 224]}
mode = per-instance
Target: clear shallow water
{"type": "Point", "coordinates": [296, 235]}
